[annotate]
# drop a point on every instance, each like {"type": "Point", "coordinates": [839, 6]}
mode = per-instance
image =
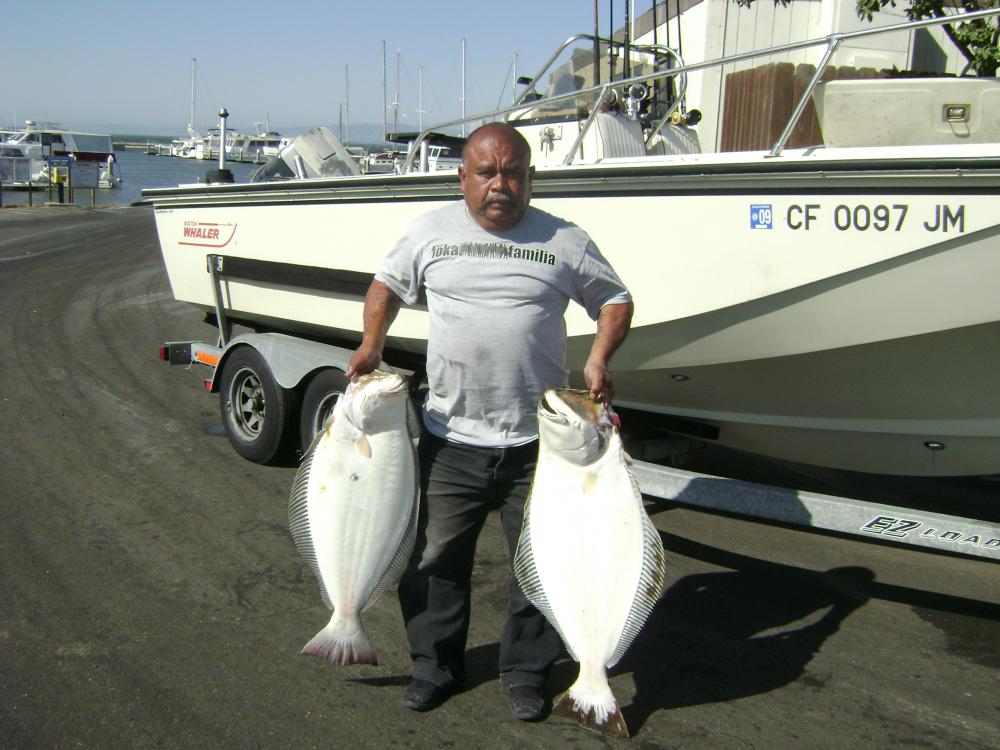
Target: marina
{"type": "Point", "coordinates": [26, 156]}
{"type": "Point", "coordinates": [139, 171]}
{"type": "Point", "coordinates": [808, 392]}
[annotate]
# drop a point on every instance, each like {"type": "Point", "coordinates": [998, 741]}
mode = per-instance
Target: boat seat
{"type": "Point", "coordinates": [675, 140]}
{"type": "Point", "coordinates": [618, 137]}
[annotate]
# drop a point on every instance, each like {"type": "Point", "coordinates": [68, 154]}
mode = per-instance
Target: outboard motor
{"type": "Point", "coordinates": [315, 153]}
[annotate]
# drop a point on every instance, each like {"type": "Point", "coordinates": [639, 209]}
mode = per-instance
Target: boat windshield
{"type": "Point", "coordinates": [577, 74]}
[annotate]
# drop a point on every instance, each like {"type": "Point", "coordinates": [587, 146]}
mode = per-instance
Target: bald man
{"type": "Point", "coordinates": [498, 276]}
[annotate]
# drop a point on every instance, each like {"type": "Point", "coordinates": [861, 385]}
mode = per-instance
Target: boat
{"type": "Point", "coordinates": [831, 303]}
{"type": "Point", "coordinates": [383, 162]}
{"type": "Point", "coordinates": [257, 147]}
{"type": "Point", "coordinates": [36, 143]}
{"type": "Point", "coordinates": [440, 150]}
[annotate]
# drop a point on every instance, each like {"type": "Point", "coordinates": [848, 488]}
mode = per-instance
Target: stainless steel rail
{"type": "Point", "coordinates": [831, 41]}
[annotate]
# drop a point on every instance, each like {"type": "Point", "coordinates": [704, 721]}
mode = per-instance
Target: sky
{"type": "Point", "coordinates": [124, 66]}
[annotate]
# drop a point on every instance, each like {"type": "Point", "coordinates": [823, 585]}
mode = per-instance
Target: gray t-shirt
{"type": "Point", "coordinates": [496, 301]}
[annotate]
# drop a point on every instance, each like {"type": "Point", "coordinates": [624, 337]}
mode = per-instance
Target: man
{"type": "Point", "coordinates": [498, 276]}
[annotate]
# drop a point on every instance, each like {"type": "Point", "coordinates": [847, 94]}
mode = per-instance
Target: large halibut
{"type": "Point", "coordinates": [589, 557]}
{"type": "Point", "coordinates": [353, 508]}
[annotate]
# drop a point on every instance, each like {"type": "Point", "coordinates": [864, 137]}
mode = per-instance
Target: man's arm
{"type": "Point", "coordinates": [612, 326]}
{"type": "Point", "coordinates": [381, 306]}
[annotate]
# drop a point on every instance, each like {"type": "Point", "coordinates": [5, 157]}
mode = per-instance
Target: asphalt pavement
{"type": "Point", "coordinates": [150, 595]}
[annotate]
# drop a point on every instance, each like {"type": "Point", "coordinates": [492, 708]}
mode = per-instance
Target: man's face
{"type": "Point", "coordinates": [496, 181]}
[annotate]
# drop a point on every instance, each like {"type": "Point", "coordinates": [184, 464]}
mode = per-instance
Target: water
{"type": "Point", "coordinates": [138, 170]}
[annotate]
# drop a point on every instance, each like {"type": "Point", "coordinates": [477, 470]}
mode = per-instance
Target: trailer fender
{"type": "Point", "coordinates": [290, 358]}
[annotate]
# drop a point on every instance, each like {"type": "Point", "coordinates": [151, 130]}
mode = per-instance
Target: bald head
{"type": "Point", "coordinates": [496, 176]}
{"type": "Point", "coordinates": [502, 131]}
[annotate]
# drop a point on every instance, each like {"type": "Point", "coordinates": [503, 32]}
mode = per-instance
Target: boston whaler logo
{"type": "Point", "coordinates": [207, 234]}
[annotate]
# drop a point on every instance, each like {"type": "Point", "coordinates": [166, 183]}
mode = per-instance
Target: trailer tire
{"type": "Point", "coordinates": [257, 412]}
{"type": "Point", "coordinates": [320, 396]}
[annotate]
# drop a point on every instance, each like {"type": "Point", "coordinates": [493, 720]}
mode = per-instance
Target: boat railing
{"type": "Point", "coordinates": [602, 92]}
{"type": "Point", "coordinates": [21, 170]}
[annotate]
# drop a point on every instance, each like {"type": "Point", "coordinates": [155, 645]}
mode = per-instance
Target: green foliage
{"type": "Point", "coordinates": [977, 40]}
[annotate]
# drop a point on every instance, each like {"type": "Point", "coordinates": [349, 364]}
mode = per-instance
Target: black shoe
{"type": "Point", "coordinates": [423, 695]}
{"type": "Point", "coordinates": [526, 702]}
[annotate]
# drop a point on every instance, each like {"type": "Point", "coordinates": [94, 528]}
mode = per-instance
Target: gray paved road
{"type": "Point", "coordinates": [150, 596]}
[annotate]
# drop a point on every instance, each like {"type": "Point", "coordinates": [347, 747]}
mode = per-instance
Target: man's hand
{"type": "Point", "coordinates": [363, 361]}
{"type": "Point", "coordinates": [612, 327]}
{"type": "Point", "coordinates": [381, 306]}
{"type": "Point", "coordinates": [598, 380]}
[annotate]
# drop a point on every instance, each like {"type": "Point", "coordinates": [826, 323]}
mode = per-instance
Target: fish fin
{"type": "Point", "coordinates": [363, 446]}
{"type": "Point", "coordinates": [599, 713]}
{"type": "Point", "coordinates": [343, 641]}
{"type": "Point", "coordinates": [651, 580]}
{"type": "Point", "coordinates": [403, 553]}
{"type": "Point", "coordinates": [527, 577]}
{"type": "Point", "coordinates": [298, 516]}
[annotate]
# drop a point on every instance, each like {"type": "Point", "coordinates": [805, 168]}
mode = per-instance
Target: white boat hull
{"type": "Point", "coordinates": [835, 316]}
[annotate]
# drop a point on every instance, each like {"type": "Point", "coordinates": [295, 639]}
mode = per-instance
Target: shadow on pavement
{"type": "Point", "coordinates": [744, 631]}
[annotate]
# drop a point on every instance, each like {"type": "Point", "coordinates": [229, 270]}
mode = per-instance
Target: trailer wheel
{"type": "Point", "coordinates": [256, 410]}
{"type": "Point", "coordinates": [321, 395]}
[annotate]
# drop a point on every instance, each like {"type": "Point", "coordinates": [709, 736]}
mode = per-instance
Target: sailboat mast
{"type": "Point", "coordinates": [420, 99]}
{"type": "Point", "coordinates": [385, 138]}
{"type": "Point", "coordinates": [395, 99]}
{"type": "Point", "coordinates": [463, 88]}
{"type": "Point", "coordinates": [513, 83]}
{"type": "Point", "coordinates": [194, 64]}
{"type": "Point", "coordinates": [347, 105]}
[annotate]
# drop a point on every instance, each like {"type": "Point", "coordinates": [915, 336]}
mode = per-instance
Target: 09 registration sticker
{"type": "Point", "coordinates": [761, 215]}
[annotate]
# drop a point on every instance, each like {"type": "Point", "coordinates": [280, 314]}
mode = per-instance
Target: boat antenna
{"type": "Point", "coordinates": [597, 48]}
{"type": "Point", "coordinates": [680, 51]}
{"type": "Point", "coordinates": [627, 63]}
{"type": "Point", "coordinates": [611, 40]}
{"type": "Point", "coordinates": [655, 41]}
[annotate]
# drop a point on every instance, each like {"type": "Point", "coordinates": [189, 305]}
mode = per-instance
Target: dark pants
{"type": "Point", "coordinates": [460, 485]}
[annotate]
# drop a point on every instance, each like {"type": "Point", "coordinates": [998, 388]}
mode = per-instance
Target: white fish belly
{"type": "Point", "coordinates": [587, 542]}
{"type": "Point", "coordinates": [359, 511]}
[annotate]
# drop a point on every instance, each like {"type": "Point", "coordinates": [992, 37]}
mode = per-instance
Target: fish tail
{"type": "Point", "coordinates": [342, 641]}
{"type": "Point", "coordinates": [594, 707]}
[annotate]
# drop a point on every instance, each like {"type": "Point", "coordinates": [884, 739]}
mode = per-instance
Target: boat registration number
{"type": "Point", "coordinates": [859, 217]}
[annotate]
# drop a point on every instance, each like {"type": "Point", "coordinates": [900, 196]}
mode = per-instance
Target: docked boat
{"type": "Point", "coordinates": [37, 142]}
{"type": "Point", "coordinates": [383, 162]}
{"type": "Point", "coordinates": [828, 300]}
{"type": "Point", "coordinates": [256, 148]}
